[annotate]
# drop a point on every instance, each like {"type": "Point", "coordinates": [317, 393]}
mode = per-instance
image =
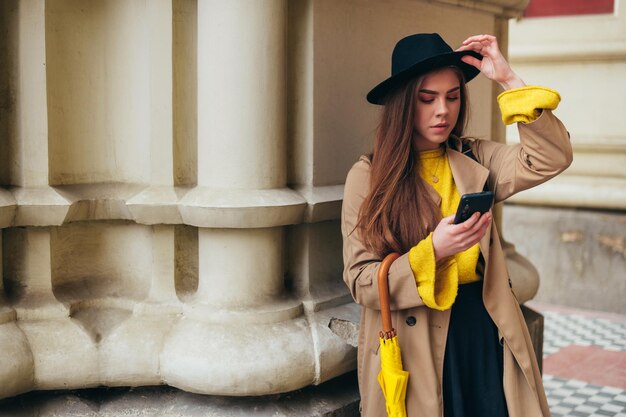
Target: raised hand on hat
{"type": "Point", "coordinates": [493, 65]}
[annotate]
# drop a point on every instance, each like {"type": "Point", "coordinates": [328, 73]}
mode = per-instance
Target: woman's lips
{"type": "Point", "coordinates": [440, 128]}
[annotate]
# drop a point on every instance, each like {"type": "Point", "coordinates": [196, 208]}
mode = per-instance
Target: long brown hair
{"type": "Point", "coordinates": [396, 214]}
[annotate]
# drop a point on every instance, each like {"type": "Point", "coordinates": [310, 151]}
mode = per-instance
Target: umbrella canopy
{"type": "Point", "coordinates": [392, 377]}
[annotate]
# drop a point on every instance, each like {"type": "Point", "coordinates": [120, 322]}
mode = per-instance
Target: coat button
{"type": "Point", "coordinates": [411, 321]}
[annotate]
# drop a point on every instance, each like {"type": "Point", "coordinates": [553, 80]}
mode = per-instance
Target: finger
{"type": "Point", "coordinates": [462, 48]}
{"type": "Point", "coordinates": [467, 224]}
{"type": "Point", "coordinates": [484, 221]}
{"type": "Point", "coordinates": [474, 238]}
{"type": "Point", "coordinates": [470, 60]}
{"type": "Point", "coordinates": [486, 217]}
{"type": "Point", "coordinates": [481, 223]}
{"type": "Point", "coordinates": [479, 38]}
{"type": "Point", "coordinates": [477, 233]}
{"type": "Point", "coordinates": [448, 219]}
{"type": "Point", "coordinates": [472, 46]}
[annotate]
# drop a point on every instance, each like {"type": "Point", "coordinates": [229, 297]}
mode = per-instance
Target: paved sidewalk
{"type": "Point", "coordinates": [584, 363]}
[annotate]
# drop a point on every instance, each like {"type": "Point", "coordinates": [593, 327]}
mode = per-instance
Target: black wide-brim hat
{"type": "Point", "coordinates": [416, 55]}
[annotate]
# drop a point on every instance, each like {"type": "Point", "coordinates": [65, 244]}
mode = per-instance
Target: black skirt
{"type": "Point", "coordinates": [472, 370]}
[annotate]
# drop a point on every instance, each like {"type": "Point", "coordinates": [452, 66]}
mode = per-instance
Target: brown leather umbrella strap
{"type": "Point", "coordinates": [383, 293]}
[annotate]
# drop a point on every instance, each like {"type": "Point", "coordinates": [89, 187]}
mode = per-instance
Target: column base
{"type": "Point", "coordinates": [16, 361]}
{"type": "Point", "coordinates": [238, 359]}
{"type": "Point", "coordinates": [336, 398]}
{"type": "Point", "coordinates": [97, 346]}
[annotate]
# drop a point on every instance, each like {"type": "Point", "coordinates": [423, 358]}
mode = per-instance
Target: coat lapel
{"type": "Point", "coordinates": [469, 175]}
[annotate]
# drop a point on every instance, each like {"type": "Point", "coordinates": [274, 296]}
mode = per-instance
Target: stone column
{"type": "Point", "coordinates": [27, 119]}
{"type": "Point", "coordinates": [241, 143]}
{"type": "Point", "coordinates": [16, 361]}
{"type": "Point", "coordinates": [131, 352]}
{"type": "Point", "coordinates": [23, 156]}
{"type": "Point", "coordinates": [243, 333]}
{"type": "Point", "coordinates": [91, 116]}
{"type": "Point", "coordinates": [56, 342]}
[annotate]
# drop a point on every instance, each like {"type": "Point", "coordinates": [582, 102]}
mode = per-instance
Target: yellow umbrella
{"type": "Point", "coordinates": [392, 378]}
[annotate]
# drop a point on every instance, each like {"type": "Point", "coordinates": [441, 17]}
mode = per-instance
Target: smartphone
{"type": "Point", "coordinates": [472, 203]}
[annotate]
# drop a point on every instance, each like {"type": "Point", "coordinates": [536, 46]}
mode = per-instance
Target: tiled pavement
{"type": "Point", "coordinates": [584, 362]}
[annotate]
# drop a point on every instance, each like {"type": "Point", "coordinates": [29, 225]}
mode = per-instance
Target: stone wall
{"type": "Point", "coordinates": [580, 254]}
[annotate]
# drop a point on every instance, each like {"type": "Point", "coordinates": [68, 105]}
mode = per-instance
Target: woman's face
{"type": "Point", "coordinates": [437, 108]}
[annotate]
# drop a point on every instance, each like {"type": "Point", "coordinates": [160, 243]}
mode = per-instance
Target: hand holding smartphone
{"type": "Point", "coordinates": [472, 203]}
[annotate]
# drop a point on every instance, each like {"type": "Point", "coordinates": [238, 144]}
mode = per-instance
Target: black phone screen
{"type": "Point", "coordinates": [472, 203]}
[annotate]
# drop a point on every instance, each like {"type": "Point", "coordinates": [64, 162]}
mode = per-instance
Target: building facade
{"type": "Point", "coordinates": [578, 220]}
{"type": "Point", "coordinates": [172, 174]}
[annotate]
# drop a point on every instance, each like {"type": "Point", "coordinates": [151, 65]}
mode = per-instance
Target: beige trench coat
{"type": "Point", "coordinates": [544, 151]}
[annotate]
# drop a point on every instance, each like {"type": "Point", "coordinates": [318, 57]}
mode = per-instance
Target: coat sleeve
{"type": "Point", "coordinates": [544, 151]}
{"type": "Point", "coordinates": [360, 271]}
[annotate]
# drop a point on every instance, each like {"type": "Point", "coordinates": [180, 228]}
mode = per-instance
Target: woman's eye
{"type": "Point", "coordinates": [427, 100]}
{"type": "Point", "coordinates": [455, 98]}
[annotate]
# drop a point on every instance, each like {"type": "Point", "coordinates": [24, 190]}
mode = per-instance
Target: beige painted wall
{"type": "Point", "coordinates": [350, 44]}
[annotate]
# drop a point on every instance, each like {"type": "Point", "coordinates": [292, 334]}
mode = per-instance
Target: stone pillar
{"type": "Point", "coordinates": [23, 161]}
{"type": "Point", "coordinates": [241, 94]}
{"type": "Point", "coordinates": [16, 360]}
{"type": "Point", "coordinates": [91, 115]}
{"type": "Point", "coordinates": [56, 342]}
{"type": "Point", "coordinates": [243, 333]}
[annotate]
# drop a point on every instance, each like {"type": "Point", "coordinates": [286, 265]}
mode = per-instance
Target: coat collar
{"type": "Point", "coordinates": [469, 176]}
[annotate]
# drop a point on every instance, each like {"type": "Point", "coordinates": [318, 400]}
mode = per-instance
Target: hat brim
{"type": "Point", "coordinates": [379, 93]}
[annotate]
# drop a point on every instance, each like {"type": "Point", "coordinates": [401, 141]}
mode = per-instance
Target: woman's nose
{"type": "Point", "coordinates": [442, 107]}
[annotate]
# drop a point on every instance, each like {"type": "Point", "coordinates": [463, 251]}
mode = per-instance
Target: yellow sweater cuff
{"type": "Point", "coordinates": [525, 104]}
{"type": "Point", "coordinates": [437, 284]}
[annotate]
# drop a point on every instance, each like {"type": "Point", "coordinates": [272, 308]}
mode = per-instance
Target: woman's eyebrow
{"type": "Point", "coordinates": [452, 90]}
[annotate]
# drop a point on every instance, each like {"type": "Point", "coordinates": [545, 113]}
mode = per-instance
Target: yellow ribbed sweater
{"type": "Point", "coordinates": [437, 283]}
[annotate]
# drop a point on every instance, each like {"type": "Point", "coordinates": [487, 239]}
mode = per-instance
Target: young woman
{"type": "Point", "coordinates": [462, 335]}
